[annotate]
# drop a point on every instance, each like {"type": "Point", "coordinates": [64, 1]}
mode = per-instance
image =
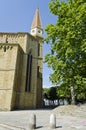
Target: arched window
{"type": "Point", "coordinates": [28, 72]}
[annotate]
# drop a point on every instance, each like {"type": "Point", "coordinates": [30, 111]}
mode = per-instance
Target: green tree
{"type": "Point", "coordinates": [63, 92]}
{"type": "Point", "coordinates": [52, 94]}
{"type": "Point", "coordinates": [68, 45]}
{"type": "Point", "coordinates": [45, 93]}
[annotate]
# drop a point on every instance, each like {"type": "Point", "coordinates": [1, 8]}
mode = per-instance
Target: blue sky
{"type": "Point", "coordinates": [17, 16]}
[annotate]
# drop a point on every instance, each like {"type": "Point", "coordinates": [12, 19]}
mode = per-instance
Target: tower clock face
{"type": "Point", "coordinates": [36, 31]}
{"type": "Point", "coordinates": [39, 31]}
{"type": "Point", "coordinates": [33, 31]}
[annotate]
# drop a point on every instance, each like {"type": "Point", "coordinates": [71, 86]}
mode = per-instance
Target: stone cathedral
{"type": "Point", "coordinates": [21, 68]}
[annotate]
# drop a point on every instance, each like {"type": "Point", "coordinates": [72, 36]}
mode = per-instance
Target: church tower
{"type": "Point", "coordinates": [37, 32]}
{"type": "Point", "coordinates": [36, 28]}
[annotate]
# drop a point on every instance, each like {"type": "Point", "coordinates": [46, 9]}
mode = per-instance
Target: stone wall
{"type": "Point", "coordinates": [14, 38]}
{"type": "Point", "coordinates": [7, 72]}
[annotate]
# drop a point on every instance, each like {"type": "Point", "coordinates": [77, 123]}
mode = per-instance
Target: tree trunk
{"type": "Point", "coordinates": [72, 96]}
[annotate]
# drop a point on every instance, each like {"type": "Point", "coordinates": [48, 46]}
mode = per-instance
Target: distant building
{"type": "Point", "coordinates": [21, 68]}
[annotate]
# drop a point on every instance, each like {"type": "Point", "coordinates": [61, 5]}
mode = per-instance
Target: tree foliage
{"type": "Point", "coordinates": [50, 93]}
{"type": "Point", "coordinates": [45, 93]}
{"type": "Point", "coordinates": [68, 45]}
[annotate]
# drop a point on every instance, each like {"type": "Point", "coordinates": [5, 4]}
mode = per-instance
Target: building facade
{"type": "Point", "coordinates": [21, 68]}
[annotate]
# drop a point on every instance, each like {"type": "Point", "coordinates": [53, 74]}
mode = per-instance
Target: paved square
{"type": "Point", "coordinates": [67, 118]}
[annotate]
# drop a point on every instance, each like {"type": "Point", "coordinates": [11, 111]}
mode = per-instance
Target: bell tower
{"type": "Point", "coordinates": [36, 28]}
{"type": "Point", "coordinates": [37, 32]}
